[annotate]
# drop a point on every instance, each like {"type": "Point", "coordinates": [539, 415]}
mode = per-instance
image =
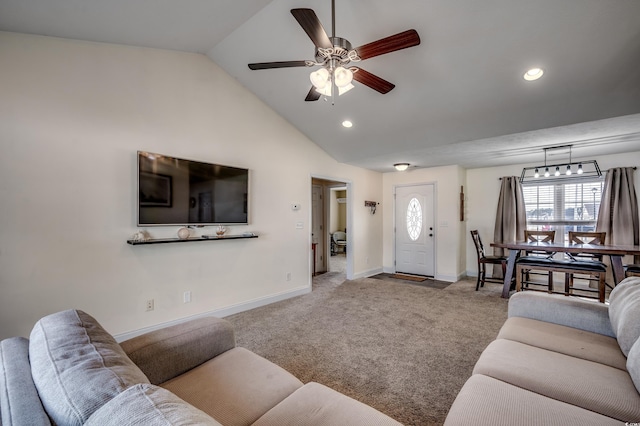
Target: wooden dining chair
{"type": "Point", "coordinates": [597, 274]}
{"type": "Point", "coordinates": [537, 237]}
{"type": "Point", "coordinates": [484, 260]}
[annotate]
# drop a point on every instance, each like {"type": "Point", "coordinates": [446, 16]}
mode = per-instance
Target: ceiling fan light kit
{"type": "Point", "coordinates": [334, 54]}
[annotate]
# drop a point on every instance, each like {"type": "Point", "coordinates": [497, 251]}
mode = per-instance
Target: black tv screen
{"type": "Point", "coordinates": [174, 191]}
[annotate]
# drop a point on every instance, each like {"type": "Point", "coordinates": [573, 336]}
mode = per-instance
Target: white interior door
{"type": "Point", "coordinates": [317, 227]}
{"type": "Point", "coordinates": [415, 230]}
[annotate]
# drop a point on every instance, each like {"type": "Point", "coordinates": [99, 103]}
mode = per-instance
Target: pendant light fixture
{"type": "Point", "coordinates": [564, 171]}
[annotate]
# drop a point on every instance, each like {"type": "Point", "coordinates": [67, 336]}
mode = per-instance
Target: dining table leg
{"type": "Point", "coordinates": [511, 266]}
{"type": "Point", "coordinates": [617, 269]}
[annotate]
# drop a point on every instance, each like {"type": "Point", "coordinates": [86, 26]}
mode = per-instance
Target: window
{"type": "Point", "coordinates": [563, 207]}
{"type": "Point", "coordinates": [414, 219]}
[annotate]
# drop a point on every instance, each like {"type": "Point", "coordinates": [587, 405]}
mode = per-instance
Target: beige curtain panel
{"type": "Point", "coordinates": [511, 217]}
{"type": "Point", "coordinates": [618, 215]}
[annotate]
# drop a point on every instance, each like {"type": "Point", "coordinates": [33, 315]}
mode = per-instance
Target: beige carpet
{"type": "Point", "coordinates": [403, 349]}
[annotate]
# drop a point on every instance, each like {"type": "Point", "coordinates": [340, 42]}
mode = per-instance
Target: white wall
{"type": "Point", "coordinates": [483, 188]}
{"type": "Point", "coordinates": [449, 248]}
{"type": "Point", "coordinates": [72, 116]}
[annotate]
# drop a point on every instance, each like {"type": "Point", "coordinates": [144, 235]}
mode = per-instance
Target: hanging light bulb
{"type": "Point", "coordinates": [536, 174]}
{"type": "Point", "coordinates": [580, 168]}
{"type": "Point", "coordinates": [568, 170]}
{"type": "Point", "coordinates": [320, 78]}
{"type": "Point", "coordinates": [342, 76]}
{"type": "Point", "coordinates": [557, 173]}
{"type": "Point", "coordinates": [546, 172]}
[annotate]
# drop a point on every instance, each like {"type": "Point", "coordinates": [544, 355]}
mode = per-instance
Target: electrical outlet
{"type": "Point", "coordinates": [186, 297]}
{"type": "Point", "coordinates": [150, 305]}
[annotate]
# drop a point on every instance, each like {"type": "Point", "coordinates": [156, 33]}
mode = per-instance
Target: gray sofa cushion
{"type": "Point", "coordinates": [19, 401]}
{"type": "Point", "coordinates": [146, 404]}
{"type": "Point", "coordinates": [236, 387]}
{"type": "Point", "coordinates": [77, 366]}
{"type": "Point", "coordinates": [624, 312]}
{"type": "Point", "coordinates": [166, 353]}
{"type": "Point", "coordinates": [318, 405]}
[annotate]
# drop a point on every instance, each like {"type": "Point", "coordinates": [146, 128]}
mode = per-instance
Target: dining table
{"type": "Point", "coordinates": [615, 253]}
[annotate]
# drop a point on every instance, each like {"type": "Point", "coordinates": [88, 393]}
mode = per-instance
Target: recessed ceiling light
{"type": "Point", "coordinates": [347, 124]}
{"type": "Point", "coordinates": [533, 74]}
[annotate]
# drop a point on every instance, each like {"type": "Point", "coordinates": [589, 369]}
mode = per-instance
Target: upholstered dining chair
{"type": "Point", "coordinates": [484, 260]}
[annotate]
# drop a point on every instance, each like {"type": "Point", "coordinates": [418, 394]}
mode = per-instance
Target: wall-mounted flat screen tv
{"type": "Point", "coordinates": [174, 191]}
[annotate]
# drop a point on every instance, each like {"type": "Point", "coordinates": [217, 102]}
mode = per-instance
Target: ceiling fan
{"type": "Point", "coordinates": [333, 55]}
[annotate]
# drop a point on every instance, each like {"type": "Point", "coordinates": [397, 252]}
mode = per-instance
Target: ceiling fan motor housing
{"type": "Point", "coordinates": [340, 52]}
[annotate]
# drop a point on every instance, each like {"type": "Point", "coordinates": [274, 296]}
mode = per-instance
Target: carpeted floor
{"type": "Point", "coordinates": [402, 348]}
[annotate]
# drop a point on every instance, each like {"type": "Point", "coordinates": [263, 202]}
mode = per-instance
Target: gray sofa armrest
{"type": "Point", "coordinates": [166, 353]}
{"type": "Point", "coordinates": [562, 310]}
{"type": "Point", "coordinates": [19, 401]}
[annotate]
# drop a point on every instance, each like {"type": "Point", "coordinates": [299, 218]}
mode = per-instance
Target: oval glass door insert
{"type": "Point", "coordinates": [414, 219]}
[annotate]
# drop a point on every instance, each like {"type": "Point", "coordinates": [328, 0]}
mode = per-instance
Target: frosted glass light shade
{"type": "Point", "coordinates": [319, 78]}
{"type": "Point", "coordinates": [343, 77]}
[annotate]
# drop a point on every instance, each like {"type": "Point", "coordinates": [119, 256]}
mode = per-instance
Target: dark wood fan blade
{"type": "Point", "coordinates": [310, 23]}
{"type": "Point", "coordinates": [313, 95]}
{"type": "Point", "coordinates": [373, 81]}
{"type": "Point", "coordinates": [283, 64]}
{"type": "Point", "coordinates": [389, 44]}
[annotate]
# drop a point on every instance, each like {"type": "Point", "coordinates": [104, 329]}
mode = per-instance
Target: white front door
{"type": "Point", "coordinates": [415, 236]}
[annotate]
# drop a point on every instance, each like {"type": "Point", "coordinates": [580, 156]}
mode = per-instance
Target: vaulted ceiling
{"type": "Point", "coordinates": [459, 98]}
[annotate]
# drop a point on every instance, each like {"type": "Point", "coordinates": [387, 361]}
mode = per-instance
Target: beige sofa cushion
{"type": "Point", "coordinates": [485, 401]}
{"type": "Point", "coordinates": [592, 386]}
{"type": "Point", "coordinates": [624, 312]}
{"type": "Point", "coordinates": [77, 366]}
{"type": "Point", "coordinates": [235, 388]}
{"type": "Point", "coordinates": [318, 405]}
{"type": "Point", "coordinates": [566, 340]}
{"type": "Point", "coordinates": [146, 404]}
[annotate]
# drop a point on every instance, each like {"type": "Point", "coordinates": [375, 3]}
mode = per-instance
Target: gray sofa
{"type": "Point", "coordinates": [558, 360]}
{"type": "Point", "coordinates": [72, 372]}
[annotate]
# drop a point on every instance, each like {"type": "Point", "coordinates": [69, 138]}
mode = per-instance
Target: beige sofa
{"type": "Point", "coordinates": [72, 372]}
{"type": "Point", "coordinates": [558, 360]}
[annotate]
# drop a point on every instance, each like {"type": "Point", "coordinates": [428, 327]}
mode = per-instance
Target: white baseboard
{"type": "Point", "coordinates": [221, 312]}
{"type": "Point", "coordinates": [369, 273]}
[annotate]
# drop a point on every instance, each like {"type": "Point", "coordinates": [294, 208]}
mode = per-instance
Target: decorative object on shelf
{"type": "Point", "coordinates": [564, 171]}
{"type": "Point", "coordinates": [184, 233]}
{"type": "Point", "coordinates": [372, 205]}
{"type": "Point", "coordinates": [140, 236]}
{"type": "Point", "coordinates": [220, 230]}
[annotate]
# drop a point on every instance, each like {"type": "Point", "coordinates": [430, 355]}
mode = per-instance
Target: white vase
{"type": "Point", "coordinates": [183, 233]}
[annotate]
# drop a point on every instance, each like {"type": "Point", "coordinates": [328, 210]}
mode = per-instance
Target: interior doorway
{"type": "Point", "coordinates": [329, 219]}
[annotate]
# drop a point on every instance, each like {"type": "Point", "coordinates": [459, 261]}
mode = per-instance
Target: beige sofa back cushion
{"type": "Point", "coordinates": [624, 312]}
{"type": "Point", "coordinates": [77, 366]}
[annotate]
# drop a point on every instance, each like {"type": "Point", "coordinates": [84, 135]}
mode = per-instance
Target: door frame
{"type": "Point", "coordinates": [435, 221]}
{"type": "Point", "coordinates": [350, 234]}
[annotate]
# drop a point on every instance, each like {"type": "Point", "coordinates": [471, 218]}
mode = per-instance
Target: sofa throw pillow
{"type": "Point", "coordinates": [633, 364]}
{"type": "Point", "coordinates": [19, 401]}
{"type": "Point", "coordinates": [624, 312]}
{"type": "Point", "coordinates": [77, 366]}
{"type": "Point", "coordinates": [146, 404]}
